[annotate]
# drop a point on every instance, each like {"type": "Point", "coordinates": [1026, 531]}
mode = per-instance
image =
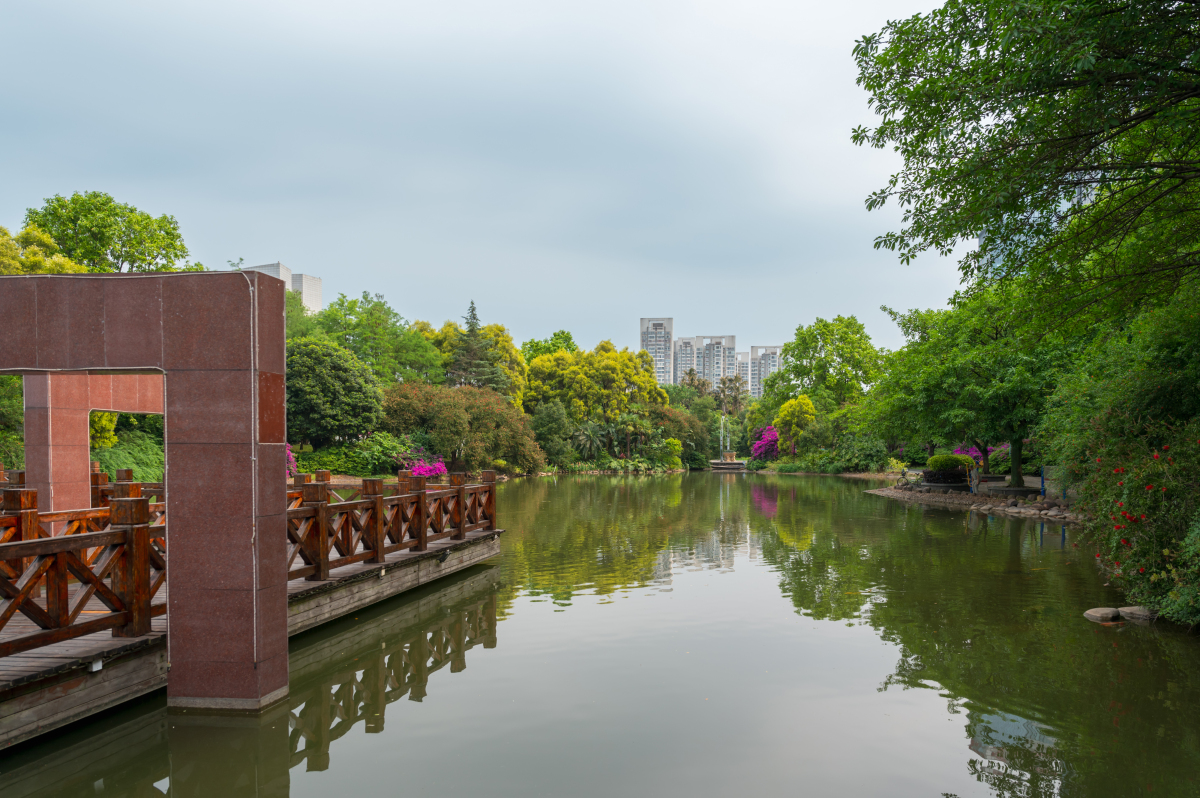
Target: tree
{"type": "Point", "coordinates": [469, 426]}
{"type": "Point", "coordinates": [32, 251]}
{"type": "Point", "coordinates": [1065, 137]}
{"type": "Point", "coordinates": [331, 394]}
{"type": "Point", "coordinates": [974, 372]}
{"type": "Point", "coordinates": [732, 393]}
{"type": "Point", "coordinates": [693, 380]}
{"type": "Point", "coordinates": [108, 236]}
{"type": "Point", "coordinates": [795, 416]}
{"type": "Point", "coordinates": [599, 385]}
{"type": "Point", "coordinates": [509, 359]}
{"type": "Point", "coordinates": [474, 362]}
{"type": "Point", "coordinates": [101, 429]}
{"type": "Point", "coordinates": [552, 429]}
{"type": "Point", "coordinates": [561, 341]}
{"type": "Point", "coordinates": [298, 321]}
{"type": "Point", "coordinates": [834, 357]}
{"type": "Point", "coordinates": [380, 337]}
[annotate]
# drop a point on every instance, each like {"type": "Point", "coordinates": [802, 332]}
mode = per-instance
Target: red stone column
{"type": "Point", "coordinates": [219, 339]}
{"type": "Point", "coordinates": [223, 350]}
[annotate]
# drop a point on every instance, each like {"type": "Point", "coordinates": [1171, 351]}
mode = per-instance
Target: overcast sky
{"type": "Point", "coordinates": [566, 165]}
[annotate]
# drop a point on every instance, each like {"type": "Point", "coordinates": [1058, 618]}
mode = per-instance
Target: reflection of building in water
{"type": "Point", "coordinates": [1018, 755]}
{"type": "Point", "coordinates": [340, 675]}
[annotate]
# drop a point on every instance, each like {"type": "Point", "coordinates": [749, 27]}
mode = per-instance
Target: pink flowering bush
{"type": "Point", "coordinates": [292, 468]}
{"type": "Point", "coordinates": [420, 468]}
{"type": "Point", "coordinates": [767, 445]}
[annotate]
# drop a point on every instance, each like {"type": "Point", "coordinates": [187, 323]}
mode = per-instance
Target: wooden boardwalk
{"type": "Point", "coordinates": [50, 686]}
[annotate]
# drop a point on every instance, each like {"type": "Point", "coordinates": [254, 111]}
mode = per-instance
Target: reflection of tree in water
{"type": "Point", "coordinates": [1052, 700]}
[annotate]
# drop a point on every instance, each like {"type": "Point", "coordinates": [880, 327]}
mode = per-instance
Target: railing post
{"type": "Point", "coordinates": [302, 479]}
{"type": "Point", "coordinates": [124, 475]}
{"type": "Point", "coordinates": [21, 502]}
{"type": "Point", "coordinates": [403, 481]}
{"type": "Point", "coordinates": [316, 494]}
{"type": "Point", "coordinates": [458, 481]}
{"type": "Point", "coordinates": [99, 480]}
{"type": "Point", "coordinates": [132, 515]}
{"type": "Point", "coordinates": [420, 523]}
{"type": "Point", "coordinates": [373, 489]}
{"type": "Point", "coordinates": [16, 478]}
{"type": "Point", "coordinates": [489, 499]}
{"type": "Point", "coordinates": [323, 476]}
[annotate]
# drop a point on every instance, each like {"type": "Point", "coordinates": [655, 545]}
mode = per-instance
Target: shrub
{"type": "Point", "coordinates": [766, 444]}
{"type": "Point", "coordinates": [12, 451]}
{"type": "Point", "coordinates": [379, 453]}
{"type": "Point", "coordinates": [756, 465]}
{"type": "Point", "coordinates": [895, 466]}
{"type": "Point", "coordinates": [789, 468]}
{"type": "Point", "coordinates": [949, 462]}
{"type": "Point", "coordinates": [137, 450]}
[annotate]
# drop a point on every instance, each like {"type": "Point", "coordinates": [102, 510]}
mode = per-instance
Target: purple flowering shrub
{"type": "Point", "coordinates": [420, 468]}
{"type": "Point", "coordinates": [292, 468]}
{"type": "Point", "coordinates": [767, 445]}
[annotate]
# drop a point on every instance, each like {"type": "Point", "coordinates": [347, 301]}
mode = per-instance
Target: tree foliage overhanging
{"type": "Point", "coordinates": [1064, 136]}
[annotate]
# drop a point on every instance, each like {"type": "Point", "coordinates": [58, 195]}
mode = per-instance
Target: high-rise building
{"type": "Point", "coordinates": [743, 367]}
{"type": "Point", "coordinates": [763, 361]}
{"type": "Point", "coordinates": [656, 338]}
{"type": "Point", "coordinates": [712, 356]}
{"type": "Point", "coordinates": [307, 286]}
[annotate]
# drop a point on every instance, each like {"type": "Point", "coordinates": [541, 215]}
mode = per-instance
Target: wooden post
{"type": "Point", "coordinates": [16, 478]}
{"type": "Point", "coordinates": [126, 490]}
{"type": "Point", "coordinates": [316, 494]}
{"type": "Point", "coordinates": [373, 489]}
{"type": "Point", "coordinates": [124, 475]}
{"type": "Point", "coordinates": [488, 500]}
{"type": "Point", "coordinates": [132, 515]}
{"type": "Point", "coordinates": [99, 480]}
{"type": "Point", "coordinates": [420, 523]}
{"type": "Point", "coordinates": [458, 481]}
{"type": "Point", "coordinates": [323, 476]}
{"type": "Point", "coordinates": [302, 479]}
{"type": "Point", "coordinates": [403, 481]}
{"type": "Point", "coordinates": [21, 502]}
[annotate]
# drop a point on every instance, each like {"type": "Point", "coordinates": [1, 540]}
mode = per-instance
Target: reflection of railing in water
{"type": "Point", "coordinates": [327, 707]}
{"type": "Point", "coordinates": [146, 752]}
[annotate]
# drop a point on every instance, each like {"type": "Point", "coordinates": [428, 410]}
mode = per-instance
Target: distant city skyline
{"type": "Point", "coordinates": [713, 357]}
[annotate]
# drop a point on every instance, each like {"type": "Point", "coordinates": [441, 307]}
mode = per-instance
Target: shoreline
{"type": "Point", "coordinates": [977, 503]}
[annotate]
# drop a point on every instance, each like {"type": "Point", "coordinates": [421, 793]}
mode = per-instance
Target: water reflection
{"type": "Point", "coordinates": [342, 675]}
{"type": "Point", "coordinates": [740, 589]}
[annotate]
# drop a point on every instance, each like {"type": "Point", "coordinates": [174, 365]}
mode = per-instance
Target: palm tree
{"type": "Point", "coordinates": [733, 394]}
{"type": "Point", "coordinates": [694, 381]}
{"type": "Point", "coordinates": [588, 439]}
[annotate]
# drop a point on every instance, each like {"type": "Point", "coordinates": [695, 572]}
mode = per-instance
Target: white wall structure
{"type": "Point", "coordinates": [307, 286]}
{"type": "Point", "coordinates": [657, 339]}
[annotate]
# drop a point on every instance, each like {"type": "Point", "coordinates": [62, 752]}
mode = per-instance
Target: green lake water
{"type": "Point", "coordinates": [699, 635]}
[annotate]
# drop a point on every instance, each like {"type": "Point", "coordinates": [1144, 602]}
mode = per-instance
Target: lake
{"type": "Point", "coordinates": [699, 635]}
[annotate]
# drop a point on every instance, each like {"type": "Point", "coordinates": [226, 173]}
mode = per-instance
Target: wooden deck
{"type": "Point", "coordinates": [51, 686]}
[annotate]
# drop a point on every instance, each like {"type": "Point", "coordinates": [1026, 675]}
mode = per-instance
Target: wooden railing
{"type": "Point", "coordinates": [102, 570]}
{"type": "Point", "coordinates": [69, 573]}
{"type": "Point", "coordinates": [368, 524]}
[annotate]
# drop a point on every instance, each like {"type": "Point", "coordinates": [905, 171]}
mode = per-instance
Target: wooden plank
{"type": "Point", "coordinates": [34, 548]}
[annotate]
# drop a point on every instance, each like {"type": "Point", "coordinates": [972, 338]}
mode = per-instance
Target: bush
{"type": "Point", "coordinates": [379, 453]}
{"type": "Point", "coordinates": [895, 466]}
{"type": "Point", "coordinates": [12, 451]}
{"type": "Point", "coordinates": [137, 450]}
{"type": "Point", "coordinates": [789, 468]}
{"type": "Point", "coordinates": [552, 429]}
{"type": "Point", "coordinates": [1124, 428]}
{"type": "Point", "coordinates": [756, 465]}
{"type": "Point", "coordinates": [949, 462]}
{"type": "Point", "coordinates": [766, 444]}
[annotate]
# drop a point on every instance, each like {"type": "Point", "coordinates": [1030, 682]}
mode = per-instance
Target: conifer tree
{"type": "Point", "coordinates": [475, 362]}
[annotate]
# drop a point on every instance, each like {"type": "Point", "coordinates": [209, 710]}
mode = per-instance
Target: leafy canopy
{"type": "Point", "coordinates": [600, 385]}
{"type": "Point", "coordinates": [331, 394]}
{"type": "Point", "coordinates": [560, 341]}
{"type": "Point", "coordinates": [379, 337]}
{"type": "Point", "coordinates": [32, 251]}
{"type": "Point", "coordinates": [834, 357]}
{"type": "Point", "coordinates": [1065, 136]}
{"type": "Point", "coordinates": [109, 236]}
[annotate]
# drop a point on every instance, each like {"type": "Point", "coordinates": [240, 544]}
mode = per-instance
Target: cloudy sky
{"type": "Point", "coordinates": [566, 165]}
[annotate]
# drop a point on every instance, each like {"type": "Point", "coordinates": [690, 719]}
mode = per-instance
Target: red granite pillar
{"type": "Point", "coordinates": [223, 347]}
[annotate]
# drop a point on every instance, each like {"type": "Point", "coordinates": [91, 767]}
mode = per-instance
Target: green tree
{"type": "Point", "coordinates": [474, 361]}
{"type": "Point", "coordinates": [380, 337]}
{"type": "Point", "coordinates": [691, 379]}
{"type": "Point", "coordinates": [599, 385]}
{"type": "Point", "coordinates": [795, 416]}
{"type": "Point", "coordinates": [561, 341]}
{"type": "Point", "coordinates": [1065, 137]}
{"type": "Point", "coordinates": [834, 357]}
{"type": "Point", "coordinates": [108, 236]}
{"type": "Point", "coordinates": [470, 427]}
{"type": "Point", "coordinates": [509, 359]}
{"type": "Point", "coordinates": [732, 393]}
{"type": "Point", "coordinates": [102, 429]}
{"type": "Point", "coordinates": [974, 372]}
{"type": "Point", "coordinates": [298, 321]}
{"type": "Point", "coordinates": [331, 394]}
{"type": "Point", "coordinates": [552, 428]}
{"type": "Point", "coordinates": [32, 251]}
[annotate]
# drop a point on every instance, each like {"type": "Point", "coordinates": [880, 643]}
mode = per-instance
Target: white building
{"type": "Point", "coordinates": [307, 286]}
{"type": "Point", "coordinates": [657, 339]}
{"type": "Point", "coordinates": [712, 356]}
{"type": "Point", "coordinates": [763, 361]}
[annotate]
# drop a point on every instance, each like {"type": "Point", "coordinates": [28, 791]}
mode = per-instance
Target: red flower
{"type": "Point", "coordinates": [1141, 570]}
{"type": "Point", "coordinates": [1098, 459]}
{"type": "Point", "coordinates": [1156, 456]}
{"type": "Point", "coordinates": [1097, 556]}
{"type": "Point", "coordinates": [1117, 563]}
{"type": "Point", "coordinates": [1120, 483]}
{"type": "Point", "coordinates": [1126, 542]}
{"type": "Point", "coordinates": [1165, 448]}
{"type": "Point", "coordinates": [1143, 516]}
{"type": "Point", "coordinates": [1149, 487]}
{"type": "Point", "coordinates": [1120, 504]}
{"type": "Point", "coordinates": [1164, 488]}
